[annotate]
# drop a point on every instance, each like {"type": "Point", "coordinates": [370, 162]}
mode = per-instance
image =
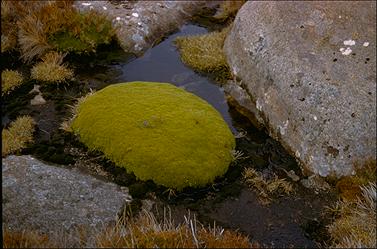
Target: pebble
{"type": "Point", "coordinates": [38, 100]}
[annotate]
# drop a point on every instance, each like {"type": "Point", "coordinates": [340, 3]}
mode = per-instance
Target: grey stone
{"type": "Point", "coordinates": [314, 95]}
{"type": "Point", "coordinates": [139, 24]}
{"type": "Point", "coordinates": [55, 200]}
{"type": "Point", "coordinates": [38, 100]}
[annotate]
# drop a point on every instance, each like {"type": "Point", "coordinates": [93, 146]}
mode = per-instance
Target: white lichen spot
{"type": "Point", "coordinates": [315, 117]}
{"type": "Point", "coordinates": [341, 49]}
{"type": "Point", "coordinates": [283, 128]}
{"type": "Point", "coordinates": [91, 7]}
{"type": "Point", "coordinates": [340, 16]}
{"type": "Point", "coordinates": [366, 44]}
{"type": "Point", "coordinates": [347, 51]}
{"type": "Point", "coordinates": [118, 18]}
{"type": "Point", "coordinates": [104, 7]}
{"type": "Point", "coordinates": [86, 4]}
{"type": "Point", "coordinates": [349, 42]}
{"type": "Point", "coordinates": [259, 106]}
{"type": "Point", "coordinates": [135, 14]}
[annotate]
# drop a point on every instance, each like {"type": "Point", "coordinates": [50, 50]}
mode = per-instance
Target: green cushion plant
{"type": "Point", "coordinates": [158, 132]}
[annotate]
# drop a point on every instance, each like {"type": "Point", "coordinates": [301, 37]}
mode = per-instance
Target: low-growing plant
{"type": "Point", "coordinates": [349, 186]}
{"type": "Point", "coordinates": [10, 80]}
{"type": "Point", "coordinates": [147, 232]}
{"type": "Point", "coordinates": [169, 135]}
{"type": "Point", "coordinates": [51, 69]}
{"type": "Point", "coordinates": [204, 53]}
{"type": "Point", "coordinates": [56, 25]}
{"type": "Point", "coordinates": [18, 135]}
{"type": "Point", "coordinates": [8, 30]}
{"type": "Point", "coordinates": [356, 224]}
{"type": "Point", "coordinates": [265, 188]}
{"type": "Point", "coordinates": [142, 231]}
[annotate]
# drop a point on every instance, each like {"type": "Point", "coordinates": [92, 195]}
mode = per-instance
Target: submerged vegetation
{"type": "Point", "coordinates": [18, 135]}
{"type": "Point", "coordinates": [10, 80]}
{"type": "Point", "coordinates": [265, 188]}
{"type": "Point", "coordinates": [51, 69]}
{"type": "Point", "coordinates": [204, 53]}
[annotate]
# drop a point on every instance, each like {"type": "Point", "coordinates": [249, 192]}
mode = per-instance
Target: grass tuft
{"type": "Point", "coordinates": [265, 188]}
{"type": "Point", "coordinates": [204, 53]}
{"type": "Point", "coordinates": [9, 81]}
{"type": "Point", "coordinates": [356, 225]}
{"type": "Point", "coordinates": [142, 231]}
{"type": "Point", "coordinates": [51, 69]}
{"type": "Point", "coordinates": [18, 135]}
{"type": "Point", "coordinates": [146, 232]}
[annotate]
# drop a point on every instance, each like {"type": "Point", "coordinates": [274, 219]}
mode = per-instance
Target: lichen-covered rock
{"type": "Point", "coordinates": [158, 131]}
{"type": "Point", "coordinates": [51, 199]}
{"type": "Point", "coordinates": [309, 69]}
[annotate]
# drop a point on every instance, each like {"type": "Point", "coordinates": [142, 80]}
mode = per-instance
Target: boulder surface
{"type": "Point", "coordinates": [53, 200]}
{"type": "Point", "coordinates": [307, 71]}
{"type": "Point", "coordinates": [139, 24]}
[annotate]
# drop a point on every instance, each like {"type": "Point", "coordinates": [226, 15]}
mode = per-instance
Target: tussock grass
{"type": "Point", "coordinates": [204, 53]}
{"type": "Point", "coordinates": [8, 32]}
{"type": "Point", "coordinates": [51, 69]}
{"type": "Point", "coordinates": [265, 188]}
{"type": "Point", "coordinates": [56, 25]}
{"type": "Point", "coordinates": [147, 232]}
{"type": "Point", "coordinates": [10, 80]}
{"type": "Point", "coordinates": [143, 231]}
{"type": "Point", "coordinates": [356, 225]}
{"type": "Point", "coordinates": [18, 135]}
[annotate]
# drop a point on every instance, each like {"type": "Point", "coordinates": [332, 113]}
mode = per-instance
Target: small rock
{"type": "Point", "coordinates": [315, 182]}
{"type": "Point", "coordinates": [36, 89]}
{"type": "Point", "coordinates": [38, 100]}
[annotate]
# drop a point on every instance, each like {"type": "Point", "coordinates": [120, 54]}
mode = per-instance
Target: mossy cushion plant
{"type": "Point", "coordinates": [158, 132]}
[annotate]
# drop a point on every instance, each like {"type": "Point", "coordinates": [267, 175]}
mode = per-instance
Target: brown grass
{"type": "Point", "coordinates": [18, 135]}
{"type": "Point", "coordinates": [356, 225]}
{"type": "Point", "coordinates": [10, 80]}
{"type": "Point", "coordinates": [8, 30]}
{"type": "Point", "coordinates": [143, 231]}
{"type": "Point", "coordinates": [25, 239]}
{"type": "Point", "coordinates": [51, 69]}
{"type": "Point", "coordinates": [56, 25]}
{"type": "Point", "coordinates": [146, 232]}
{"type": "Point", "coordinates": [265, 188]}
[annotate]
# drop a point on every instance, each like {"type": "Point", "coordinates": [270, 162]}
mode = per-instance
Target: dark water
{"type": "Point", "coordinates": [162, 63]}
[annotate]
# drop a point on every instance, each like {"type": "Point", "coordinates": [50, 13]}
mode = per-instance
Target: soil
{"type": "Point", "coordinates": [296, 220]}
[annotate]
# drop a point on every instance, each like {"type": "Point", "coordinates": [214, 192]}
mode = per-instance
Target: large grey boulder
{"type": "Point", "coordinates": [139, 24]}
{"type": "Point", "coordinates": [56, 200]}
{"type": "Point", "coordinates": [307, 71]}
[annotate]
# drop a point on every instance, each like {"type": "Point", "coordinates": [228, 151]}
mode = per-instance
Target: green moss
{"type": "Point", "coordinates": [157, 131]}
